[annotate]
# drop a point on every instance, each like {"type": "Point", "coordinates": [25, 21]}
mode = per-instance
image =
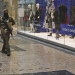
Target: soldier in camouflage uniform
{"type": "Point", "coordinates": [5, 33]}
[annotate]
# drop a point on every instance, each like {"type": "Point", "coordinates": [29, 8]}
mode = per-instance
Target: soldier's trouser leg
{"type": "Point", "coordinates": [3, 48]}
{"type": "Point", "coordinates": [7, 45]}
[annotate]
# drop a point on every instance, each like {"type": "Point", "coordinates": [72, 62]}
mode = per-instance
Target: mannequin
{"type": "Point", "coordinates": [46, 19]}
{"type": "Point", "coordinates": [57, 23]}
{"type": "Point", "coordinates": [45, 24]}
{"type": "Point", "coordinates": [31, 19]}
{"type": "Point", "coordinates": [29, 12]}
{"type": "Point", "coordinates": [29, 9]}
{"type": "Point", "coordinates": [51, 16]}
{"type": "Point", "coordinates": [38, 14]}
{"type": "Point", "coordinates": [63, 13]}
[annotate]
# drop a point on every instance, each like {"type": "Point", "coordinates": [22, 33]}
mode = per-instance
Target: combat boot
{"type": "Point", "coordinates": [8, 53]}
{"type": "Point", "coordinates": [4, 50]}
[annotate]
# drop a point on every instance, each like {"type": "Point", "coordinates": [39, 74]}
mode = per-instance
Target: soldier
{"type": "Point", "coordinates": [6, 30]}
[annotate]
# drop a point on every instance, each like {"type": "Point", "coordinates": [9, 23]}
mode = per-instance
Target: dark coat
{"type": "Point", "coordinates": [57, 20]}
{"type": "Point", "coordinates": [38, 13]}
{"type": "Point", "coordinates": [72, 15]}
{"type": "Point", "coordinates": [63, 12]}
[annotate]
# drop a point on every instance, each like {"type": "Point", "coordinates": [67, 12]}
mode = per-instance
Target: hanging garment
{"type": "Point", "coordinates": [45, 23]}
{"type": "Point", "coordinates": [50, 21]}
{"type": "Point", "coordinates": [67, 21]}
{"type": "Point", "coordinates": [63, 13]}
{"type": "Point", "coordinates": [72, 15]}
{"type": "Point", "coordinates": [38, 14]}
{"type": "Point", "coordinates": [57, 20]}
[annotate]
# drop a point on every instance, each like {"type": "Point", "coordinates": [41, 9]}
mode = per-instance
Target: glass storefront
{"type": "Point", "coordinates": [25, 8]}
{"type": "Point", "coordinates": [66, 30]}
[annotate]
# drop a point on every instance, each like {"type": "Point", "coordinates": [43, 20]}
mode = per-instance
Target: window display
{"type": "Point", "coordinates": [25, 18]}
{"type": "Point", "coordinates": [50, 19]}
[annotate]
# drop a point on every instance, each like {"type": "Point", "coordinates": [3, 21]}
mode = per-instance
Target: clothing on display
{"type": "Point", "coordinates": [45, 23]}
{"type": "Point", "coordinates": [53, 20]}
{"type": "Point", "coordinates": [50, 18]}
{"type": "Point", "coordinates": [29, 11]}
{"type": "Point", "coordinates": [57, 23]}
{"type": "Point", "coordinates": [72, 15]}
{"type": "Point", "coordinates": [63, 14]}
{"type": "Point", "coordinates": [31, 19]}
{"type": "Point", "coordinates": [72, 18]}
{"type": "Point", "coordinates": [57, 20]}
{"type": "Point", "coordinates": [38, 14]}
{"type": "Point", "coordinates": [49, 21]}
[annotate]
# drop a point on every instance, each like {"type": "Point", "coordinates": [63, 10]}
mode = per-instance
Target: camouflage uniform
{"type": "Point", "coordinates": [5, 35]}
{"type": "Point", "coordinates": [6, 29]}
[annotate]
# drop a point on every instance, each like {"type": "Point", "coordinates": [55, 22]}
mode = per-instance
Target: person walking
{"type": "Point", "coordinates": [6, 29]}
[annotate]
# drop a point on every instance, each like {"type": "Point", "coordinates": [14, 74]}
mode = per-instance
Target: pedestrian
{"type": "Point", "coordinates": [6, 30]}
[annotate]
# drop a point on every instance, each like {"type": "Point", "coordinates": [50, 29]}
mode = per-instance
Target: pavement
{"type": "Point", "coordinates": [29, 57]}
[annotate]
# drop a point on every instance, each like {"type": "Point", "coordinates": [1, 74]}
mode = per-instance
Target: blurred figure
{"type": "Point", "coordinates": [25, 18]}
{"type": "Point", "coordinates": [6, 29]}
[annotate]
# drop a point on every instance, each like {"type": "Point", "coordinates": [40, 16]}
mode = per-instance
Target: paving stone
{"type": "Point", "coordinates": [33, 58]}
